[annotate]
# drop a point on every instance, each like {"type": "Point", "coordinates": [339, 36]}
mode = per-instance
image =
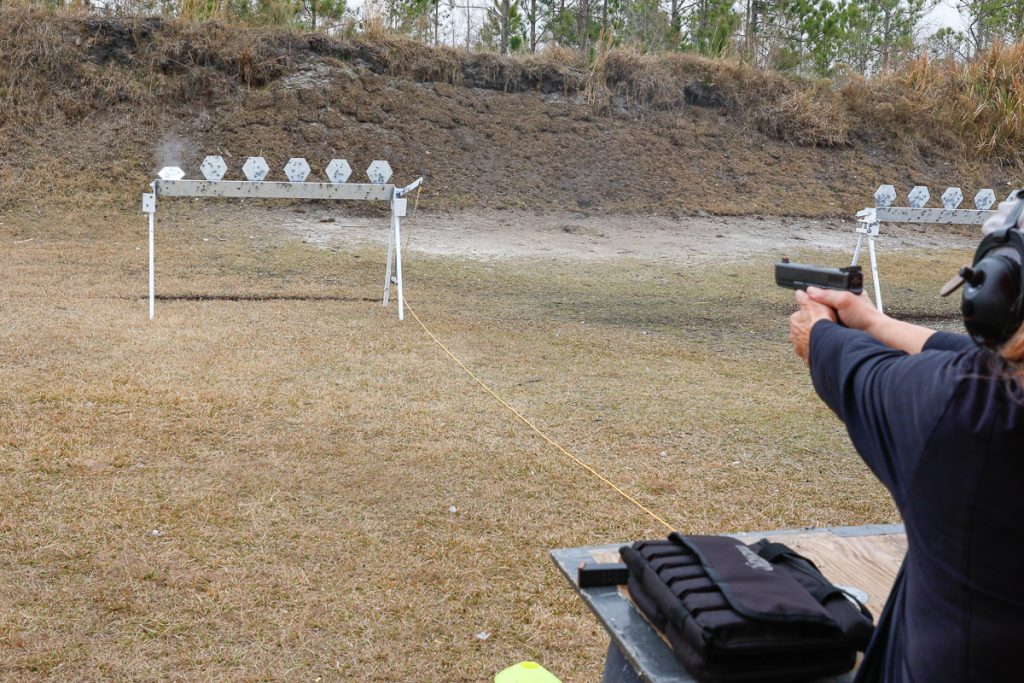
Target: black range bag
{"type": "Point", "coordinates": [734, 612]}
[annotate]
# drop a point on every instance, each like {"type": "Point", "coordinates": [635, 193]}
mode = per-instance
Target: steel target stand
{"type": "Point", "coordinates": [871, 218]}
{"type": "Point", "coordinates": [171, 183]}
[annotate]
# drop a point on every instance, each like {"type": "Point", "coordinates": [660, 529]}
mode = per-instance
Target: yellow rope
{"type": "Point", "coordinates": [534, 427]}
{"type": "Point", "coordinates": [416, 204]}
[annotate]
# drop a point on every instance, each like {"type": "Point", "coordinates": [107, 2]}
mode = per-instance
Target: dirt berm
{"type": "Point", "coordinates": [90, 108]}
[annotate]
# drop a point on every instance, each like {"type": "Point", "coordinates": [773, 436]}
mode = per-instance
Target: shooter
{"type": "Point", "coordinates": [939, 419]}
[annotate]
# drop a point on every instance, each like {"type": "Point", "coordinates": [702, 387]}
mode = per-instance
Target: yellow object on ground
{"type": "Point", "coordinates": [526, 672]}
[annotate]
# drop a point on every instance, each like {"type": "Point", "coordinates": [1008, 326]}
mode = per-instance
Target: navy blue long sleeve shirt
{"type": "Point", "coordinates": [944, 431]}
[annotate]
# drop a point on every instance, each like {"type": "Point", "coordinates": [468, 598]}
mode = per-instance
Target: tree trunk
{"type": "Point", "coordinates": [533, 25]}
{"type": "Point", "coordinates": [503, 26]}
{"type": "Point", "coordinates": [886, 39]}
{"type": "Point", "coordinates": [583, 25]}
{"type": "Point", "coordinates": [748, 31]}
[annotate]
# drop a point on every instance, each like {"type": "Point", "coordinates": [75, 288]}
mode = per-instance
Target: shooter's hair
{"type": "Point", "coordinates": [1013, 350]}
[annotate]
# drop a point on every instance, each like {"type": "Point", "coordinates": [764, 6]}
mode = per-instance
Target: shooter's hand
{"type": "Point", "coordinates": [801, 322]}
{"type": "Point", "coordinates": [855, 311]}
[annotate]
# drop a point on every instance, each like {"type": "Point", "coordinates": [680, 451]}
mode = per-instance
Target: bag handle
{"type": "Point", "coordinates": [774, 551]}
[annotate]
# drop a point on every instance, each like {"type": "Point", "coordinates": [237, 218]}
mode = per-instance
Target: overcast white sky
{"type": "Point", "coordinates": [944, 14]}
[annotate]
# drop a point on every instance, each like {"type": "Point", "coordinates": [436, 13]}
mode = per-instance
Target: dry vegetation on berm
{"type": "Point", "coordinates": [298, 450]}
{"type": "Point", "coordinates": [90, 107]}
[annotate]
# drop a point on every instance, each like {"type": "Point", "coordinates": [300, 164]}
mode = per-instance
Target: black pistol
{"type": "Point", "coordinates": [802, 276]}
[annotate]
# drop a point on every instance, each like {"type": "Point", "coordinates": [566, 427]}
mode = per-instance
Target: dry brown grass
{"type": "Point", "coordinates": [299, 457]}
{"type": "Point", "coordinates": [782, 107]}
{"type": "Point", "coordinates": [982, 101]}
{"type": "Point", "coordinates": [72, 64]}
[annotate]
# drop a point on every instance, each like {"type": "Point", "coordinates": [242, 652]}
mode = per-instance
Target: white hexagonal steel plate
{"type": "Point", "coordinates": [296, 169]}
{"type": "Point", "coordinates": [171, 173]}
{"type": "Point", "coordinates": [952, 197]}
{"type": "Point", "coordinates": [213, 168]}
{"type": "Point", "coordinates": [338, 170]}
{"type": "Point", "coordinates": [255, 168]}
{"type": "Point", "coordinates": [885, 195]}
{"type": "Point", "coordinates": [984, 200]}
{"type": "Point", "coordinates": [918, 197]}
{"type": "Point", "coordinates": [379, 172]}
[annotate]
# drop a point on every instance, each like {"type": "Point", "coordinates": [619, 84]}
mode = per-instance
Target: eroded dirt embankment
{"type": "Point", "coordinates": [91, 108]}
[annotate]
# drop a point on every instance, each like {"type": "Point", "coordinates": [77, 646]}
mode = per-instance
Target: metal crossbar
{"type": "Point", "coordinates": [244, 189]}
{"type": "Point", "coordinates": [172, 183]}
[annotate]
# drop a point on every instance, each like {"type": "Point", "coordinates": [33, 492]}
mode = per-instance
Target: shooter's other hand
{"type": "Point", "coordinates": [801, 322]}
{"type": "Point", "coordinates": [855, 311]}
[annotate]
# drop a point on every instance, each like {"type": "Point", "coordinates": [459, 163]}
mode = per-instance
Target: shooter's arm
{"type": "Point", "coordinates": [856, 312]}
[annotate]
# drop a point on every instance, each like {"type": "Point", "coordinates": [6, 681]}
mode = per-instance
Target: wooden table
{"type": "Point", "coordinates": [864, 557]}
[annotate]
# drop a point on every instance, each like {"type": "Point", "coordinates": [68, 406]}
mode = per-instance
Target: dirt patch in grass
{"type": "Point", "coordinates": [501, 235]}
{"type": "Point", "coordinates": [260, 482]}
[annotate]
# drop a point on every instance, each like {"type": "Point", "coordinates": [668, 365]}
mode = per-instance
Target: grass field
{"type": "Point", "coordinates": [259, 484]}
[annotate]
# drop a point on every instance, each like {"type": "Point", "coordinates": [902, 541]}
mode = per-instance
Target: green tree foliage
{"type": "Point", "coordinates": [643, 25]}
{"type": "Point", "coordinates": [504, 29]}
{"type": "Point", "coordinates": [570, 23]}
{"type": "Point", "coordinates": [946, 43]}
{"type": "Point", "coordinates": [317, 13]}
{"type": "Point", "coordinates": [712, 24]}
{"type": "Point", "coordinates": [804, 36]}
{"type": "Point", "coordinates": [413, 17]}
{"type": "Point", "coordinates": [820, 36]}
{"type": "Point", "coordinates": [989, 22]}
{"type": "Point", "coordinates": [882, 33]}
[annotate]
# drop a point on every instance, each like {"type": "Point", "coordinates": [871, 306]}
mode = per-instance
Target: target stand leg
{"type": "Point", "coordinates": [149, 207]}
{"type": "Point", "coordinates": [398, 208]}
{"type": "Point", "coordinates": [869, 227]}
{"type": "Point", "coordinates": [874, 273]}
{"type": "Point", "coordinates": [391, 253]}
{"type": "Point", "coordinates": [856, 251]}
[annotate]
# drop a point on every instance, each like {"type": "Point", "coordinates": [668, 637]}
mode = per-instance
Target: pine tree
{"type": "Point", "coordinates": [991, 21]}
{"type": "Point", "coordinates": [641, 24]}
{"type": "Point", "coordinates": [503, 28]}
{"type": "Point", "coordinates": [321, 12]}
{"type": "Point", "coordinates": [712, 24]}
{"type": "Point", "coordinates": [882, 32]}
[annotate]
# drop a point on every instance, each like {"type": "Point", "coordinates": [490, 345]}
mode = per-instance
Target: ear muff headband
{"type": "Point", "coordinates": [993, 296]}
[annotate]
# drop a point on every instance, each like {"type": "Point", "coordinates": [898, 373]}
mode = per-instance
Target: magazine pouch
{"type": "Point", "coordinates": [738, 612]}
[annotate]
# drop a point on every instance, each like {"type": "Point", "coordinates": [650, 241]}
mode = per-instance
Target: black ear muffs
{"type": "Point", "coordinates": [993, 296]}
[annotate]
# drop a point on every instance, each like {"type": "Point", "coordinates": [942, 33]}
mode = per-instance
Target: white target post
{"type": "Point", "coordinates": [871, 218]}
{"type": "Point", "coordinates": [171, 183]}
